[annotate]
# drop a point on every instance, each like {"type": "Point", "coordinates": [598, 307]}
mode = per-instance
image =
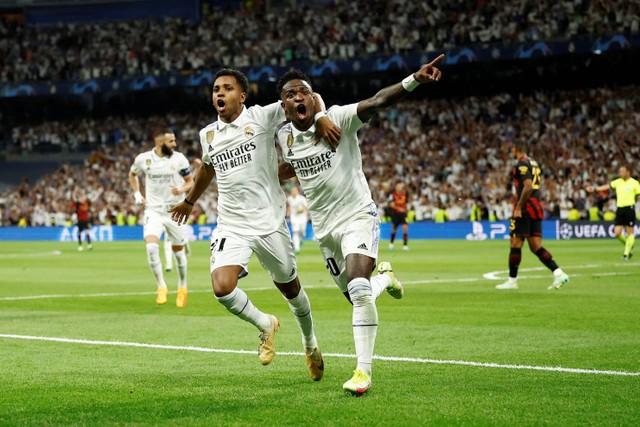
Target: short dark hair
{"type": "Point", "coordinates": [522, 145]}
{"type": "Point", "coordinates": [292, 74]}
{"type": "Point", "coordinates": [161, 130]}
{"type": "Point", "coordinates": [239, 75]}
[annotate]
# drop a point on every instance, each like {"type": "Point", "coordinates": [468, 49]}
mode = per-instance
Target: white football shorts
{"type": "Point", "coordinates": [155, 222]}
{"type": "Point", "coordinates": [359, 235]}
{"type": "Point", "coordinates": [299, 225]}
{"type": "Point", "coordinates": [274, 251]}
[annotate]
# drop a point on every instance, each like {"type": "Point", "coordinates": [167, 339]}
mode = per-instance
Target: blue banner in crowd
{"type": "Point", "coordinates": [461, 230]}
{"type": "Point", "coordinates": [412, 61]}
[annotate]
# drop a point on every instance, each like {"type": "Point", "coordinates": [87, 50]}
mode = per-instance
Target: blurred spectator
{"type": "Point", "coordinates": [450, 152]}
{"type": "Point", "coordinates": [349, 29]}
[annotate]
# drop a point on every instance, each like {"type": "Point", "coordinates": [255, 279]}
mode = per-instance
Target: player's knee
{"type": "Point", "coordinates": [153, 253]}
{"type": "Point", "coordinates": [290, 289]}
{"type": "Point", "coordinates": [223, 283]}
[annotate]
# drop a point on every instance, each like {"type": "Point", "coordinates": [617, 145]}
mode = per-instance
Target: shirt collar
{"type": "Point", "coordinates": [295, 132]}
{"type": "Point", "coordinates": [238, 122]}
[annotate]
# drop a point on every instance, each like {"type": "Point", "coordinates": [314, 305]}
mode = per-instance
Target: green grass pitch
{"type": "Point", "coordinates": [200, 367]}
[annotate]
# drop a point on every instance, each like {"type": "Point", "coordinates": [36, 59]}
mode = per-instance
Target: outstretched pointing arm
{"type": "Point", "coordinates": [392, 94]}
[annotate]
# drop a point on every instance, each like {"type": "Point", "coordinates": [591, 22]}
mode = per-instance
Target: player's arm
{"type": "Point", "coordinates": [527, 190]}
{"type": "Point", "coordinates": [135, 186]}
{"type": "Point", "coordinates": [392, 94]}
{"type": "Point", "coordinates": [285, 171]}
{"type": "Point", "coordinates": [325, 128]}
{"type": "Point", "coordinates": [591, 188]}
{"type": "Point", "coordinates": [204, 175]}
{"type": "Point", "coordinates": [186, 187]}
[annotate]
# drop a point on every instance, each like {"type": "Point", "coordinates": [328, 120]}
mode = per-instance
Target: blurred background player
{"type": "Point", "coordinates": [297, 206]}
{"type": "Point", "coordinates": [527, 219]}
{"type": "Point", "coordinates": [627, 191]}
{"type": "Point", "coordinates": [399, 205]}
{"type": "Point", "coordinates": [167, 176]}
{"type": "Point", "coordinates": [343, 213]}
{"type": "Point", "coordinates": [82, 207]}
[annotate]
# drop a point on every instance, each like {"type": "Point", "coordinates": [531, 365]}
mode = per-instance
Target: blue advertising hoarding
{"type": "Point", "coordinates": [459, 230]}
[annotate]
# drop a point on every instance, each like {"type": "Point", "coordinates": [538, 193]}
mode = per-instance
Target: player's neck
{"type": "Point", "coordinates": [158, 152]}
{"type": "Point", "coordinates": [304, 125]}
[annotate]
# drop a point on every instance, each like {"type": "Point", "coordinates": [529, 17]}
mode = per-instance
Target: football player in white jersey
{"type": "Point", "coordinates": [167, 176]}
{"type": "Point", "coordinates": [238, 149]}
{"type": "Point", "coordinates": [343, 214]}
{"type": "Point", "coordinates": [297, 208]}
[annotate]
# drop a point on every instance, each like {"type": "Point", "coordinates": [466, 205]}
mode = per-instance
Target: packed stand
{"type": "Point", "coordinates": [338, 30]}
{"type": "Point", "coordinates": [453, 154]}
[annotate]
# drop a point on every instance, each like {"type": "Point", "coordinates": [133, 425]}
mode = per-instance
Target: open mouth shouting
{"type": "Point", "coordinates": [220, 105]}
{"type": "Point", "coordinates": [301, 111]}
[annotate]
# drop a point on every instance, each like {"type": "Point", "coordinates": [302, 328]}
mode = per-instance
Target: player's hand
{"type": "Point", "coordinates": [175, 190]}
{"type": "Point", "coordinates": [181, 212]}
{"type": "Point", "coordinates": [140, 200]}
{"type": "Point", "coordinates": [517, 213]}
{"type": "Point", "coordinates": [326, 130]}
{"type": "Point", "coordinates": [590, 189]}
{"type": "Point", "coordinates": [429, 73]}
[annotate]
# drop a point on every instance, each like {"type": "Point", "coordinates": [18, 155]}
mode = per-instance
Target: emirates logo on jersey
{"type": "Point", "coordinates": [249, 132]}
{"type": "Point", "coordinates": [210, 135]}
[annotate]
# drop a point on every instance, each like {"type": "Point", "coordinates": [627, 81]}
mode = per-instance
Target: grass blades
{"type": "Point", "coordinates": [454, 351]}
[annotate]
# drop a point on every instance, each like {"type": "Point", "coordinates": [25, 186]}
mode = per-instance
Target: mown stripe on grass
{"type": "Point", "coordinates": [348, 356]}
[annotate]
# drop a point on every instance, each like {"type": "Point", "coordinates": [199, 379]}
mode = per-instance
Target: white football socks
{"type": "Point", "coordinates": [365, 322]}
{"type": "Point", "coordinates": [153, 258]}
{"type": "Point", "coordinates": [379, 283]}
{"type": "Point", "coordinates": [301, 309]}
{"type": "Point", "coordinates": [296, 242]}
{"type": "Point", "coordinates": [181, 264]}
{"type": "Point", "coordinates": [238, 303]}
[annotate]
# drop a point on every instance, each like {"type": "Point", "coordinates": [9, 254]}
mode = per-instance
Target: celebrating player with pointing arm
{"type": "Point", "coordinates": [343, 213]}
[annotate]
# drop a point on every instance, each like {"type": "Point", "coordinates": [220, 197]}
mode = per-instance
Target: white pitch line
{"type": "Point", "coordinates": [29, 255]}
{"type": "Point", "coordinates": [338, 355]}
{"type": "Point", "coordinates": [492, 275]}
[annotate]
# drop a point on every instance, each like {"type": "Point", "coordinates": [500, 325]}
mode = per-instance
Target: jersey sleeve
{"type": "Point", "coordinates": [270, 115]}
{"type": "Point", "coordinates": [184, 168]}
{"type": "Point", "coordinates": [523, 171]}
{"type": "Point", "coordinates": [345, 117]}
{"type": "Point", "coordinates": [136, 167]}
{"type": "Point", "coordinates": [205, 146]}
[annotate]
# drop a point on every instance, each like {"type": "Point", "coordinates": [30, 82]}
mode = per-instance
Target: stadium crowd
{"type": "Point", "coordinates": [344, 29]}
{"type": "Point", "coordinates": [453, 154]}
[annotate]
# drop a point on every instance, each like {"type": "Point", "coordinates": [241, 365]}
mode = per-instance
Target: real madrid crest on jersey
{"type": "Point", "coordinates": [249, 132]}
{"type": "Point", "coordinates": [210, 135]}
{"type": "Point", "coordinates": [290, 140]}
{"type": "Point", "coordinates": [148, 163]}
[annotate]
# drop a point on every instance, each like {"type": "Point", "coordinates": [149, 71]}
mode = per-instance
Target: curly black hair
{"type": "Point", "coordinates": [292, 74]}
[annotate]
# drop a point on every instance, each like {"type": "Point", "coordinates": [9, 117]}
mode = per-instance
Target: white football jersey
{"type": "Point", "coordinates": [333, 182]}
{"type": "Point", "coordinates": [297, 208]}
{"type": "Point", "coordinates": [161, 173]}
{"type": "Point", "coordinates": [243, 154]}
